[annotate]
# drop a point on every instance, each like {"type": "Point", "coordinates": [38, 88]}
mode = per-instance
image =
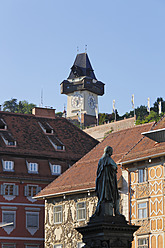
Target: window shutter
{"type": "Point", "coordinates": [38, 189]}
{"type": "Point", "coordinates": [59, 169]}
{"type": "Point", "coordinates": [145, 175]}
{"type": "Point", "coordinates": [16, 190]}
{"type": "Point", "coordinates": [2, 189]}
{"type": "Point", "coordinates": [26, 191]}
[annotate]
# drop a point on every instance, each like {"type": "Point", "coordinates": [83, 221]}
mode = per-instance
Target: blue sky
{"type": "Point", "coordinates": [126, 47]}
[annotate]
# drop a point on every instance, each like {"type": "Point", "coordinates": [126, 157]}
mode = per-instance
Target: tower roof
{"type": "Point", "coordinates": [81, 67]}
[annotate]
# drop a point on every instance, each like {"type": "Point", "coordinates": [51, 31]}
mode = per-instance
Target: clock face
{"type": "Point", "coordinates": [91, 102]}
{"type": "Point", "coordinates": [77, 100]}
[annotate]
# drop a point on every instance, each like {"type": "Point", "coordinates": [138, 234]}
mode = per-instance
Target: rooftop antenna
{"type": "Point", "coordinates": [42, 98]}
{"type": "Point", "coordinates": [86, 48]}
{"type": "Point", "coordinates": [77, 49]}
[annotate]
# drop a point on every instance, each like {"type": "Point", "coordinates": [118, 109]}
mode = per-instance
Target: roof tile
{"type": "Point", "coordinates": [82, 174]}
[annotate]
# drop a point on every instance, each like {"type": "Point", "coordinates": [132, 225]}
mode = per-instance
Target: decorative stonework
{"type": "Point", "coordinates": [145, 227]}
{"type": "Point", "coordinates": [142, 190]}
{"type": "Point", "coordinates": [65, 232]}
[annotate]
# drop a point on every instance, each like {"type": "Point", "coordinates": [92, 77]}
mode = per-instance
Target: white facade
{"type": "Point", "coordinates": [83, 101]}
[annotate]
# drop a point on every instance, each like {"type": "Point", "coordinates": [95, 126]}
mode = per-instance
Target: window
{"type": "Point", "coordinates": [46, 128]}
{"type": "Point", "coordinates": [11, 143]}
{"type": "Point", "coordinates": [32, 220]}
{"type": "Point", "coordinates": [31, 190]}
{"type": "Point", "coordinates": [9, 189]}
{"type": "Point", "coordinates": [2, 124]}
{"type": "Point", "coordinates": [142, 175]}
{"type": "Point", "coordinates": [56, 143]}
{"type": "Point", "coordinates": [81, 211]}
{"type": "Point", "coordinates": [8, 165]}
{"type": "Point", "coordinates": [32, 246]}
{"type": "Point", "coordinates": [32, 167]}
{"type": "Point", "coordinates": [57, 246]}
{"type": "Point", "coordinates": [57, 214]}
{"type": "Point", "coordinates": [8, 245]}
{"type": "Point", "coordinates": [59, 148]}
{"type": "Point", "coordinates": [142, 210]}
{"type": "Point", "coordinates": [8, 139]}
{"type": "Point", "coordinates": [143, 243]}
{"type": "Point", "coordinates": [8, 217]}
{"type": "Point", "coordinates": [56, 169]}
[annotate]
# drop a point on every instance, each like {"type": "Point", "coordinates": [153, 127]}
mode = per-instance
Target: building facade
{"type": "Point", "coordinates": [34, 150]}
{"type": "Point", "coordinates": [70, 200]}
{"type": "Point", "coordinates": [145, 165]}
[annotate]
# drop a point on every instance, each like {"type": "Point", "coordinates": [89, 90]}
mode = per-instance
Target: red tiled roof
{"type": "Point", "coordinates": [82, 175]}
{"type": "Point", "coordinates": [146, 147]}
{"type": "Point", "coordinates": [31, 141]}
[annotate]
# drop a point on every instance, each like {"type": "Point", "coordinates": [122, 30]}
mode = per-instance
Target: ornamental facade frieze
{"type": "Point", "coordinates": [142, 190]}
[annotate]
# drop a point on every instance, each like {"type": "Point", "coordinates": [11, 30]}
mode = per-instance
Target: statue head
{"type": "Point", "coordinates": [108, 150]}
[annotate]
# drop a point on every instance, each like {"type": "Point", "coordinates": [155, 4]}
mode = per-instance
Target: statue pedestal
{"type": "Point", "coordinates": [107, 232]}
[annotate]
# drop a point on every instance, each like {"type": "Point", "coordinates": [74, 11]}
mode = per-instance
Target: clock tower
{"type": "Point", "coordinates": [82, 90]}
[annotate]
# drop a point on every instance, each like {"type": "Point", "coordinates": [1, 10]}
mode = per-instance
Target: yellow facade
{"type": "Point", "coordinates": [147, 204]}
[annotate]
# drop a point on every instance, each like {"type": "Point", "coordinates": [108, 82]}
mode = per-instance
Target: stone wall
{"type": "Point", "coordinates": [99, 132]}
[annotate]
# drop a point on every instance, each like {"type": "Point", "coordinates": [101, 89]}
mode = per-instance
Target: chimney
{"type": "Point", "coordinates": [44, 112]}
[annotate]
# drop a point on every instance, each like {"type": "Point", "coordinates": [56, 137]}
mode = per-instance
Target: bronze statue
{"type": "Point", "coordinates": [106, 184]}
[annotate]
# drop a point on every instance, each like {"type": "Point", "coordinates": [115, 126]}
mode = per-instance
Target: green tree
{"type": "Point", "coordinates": [59, 114]}
{"type": "Point", "coordinates": [22, 107]}
{"type": "Point", "coordinates": [104, 118]}
{"type": "Point", "coordinates": [156, 105]}
{"type": "Point", "coordinates": [153, 116]}
{"type": "Point", "coordinates": [10, 105]}
{"type": "Point", "coordinates": [141, 113]}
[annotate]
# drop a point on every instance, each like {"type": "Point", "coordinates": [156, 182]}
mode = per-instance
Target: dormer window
{"type": "Point", "coordinates": [8, 166]}
{"type": "Point", "coordinates": [46, 127]}
{"type": "Point", "coordinates": [55, 169]}
{"type": "Point", "coordinates": [8, 139]}
{"type": "Point", "coordinates": [3, 124]}
{"type": "Point", "coordinates": [56, 143]}
{"type": "Point", "coordinates": [32, 167]}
